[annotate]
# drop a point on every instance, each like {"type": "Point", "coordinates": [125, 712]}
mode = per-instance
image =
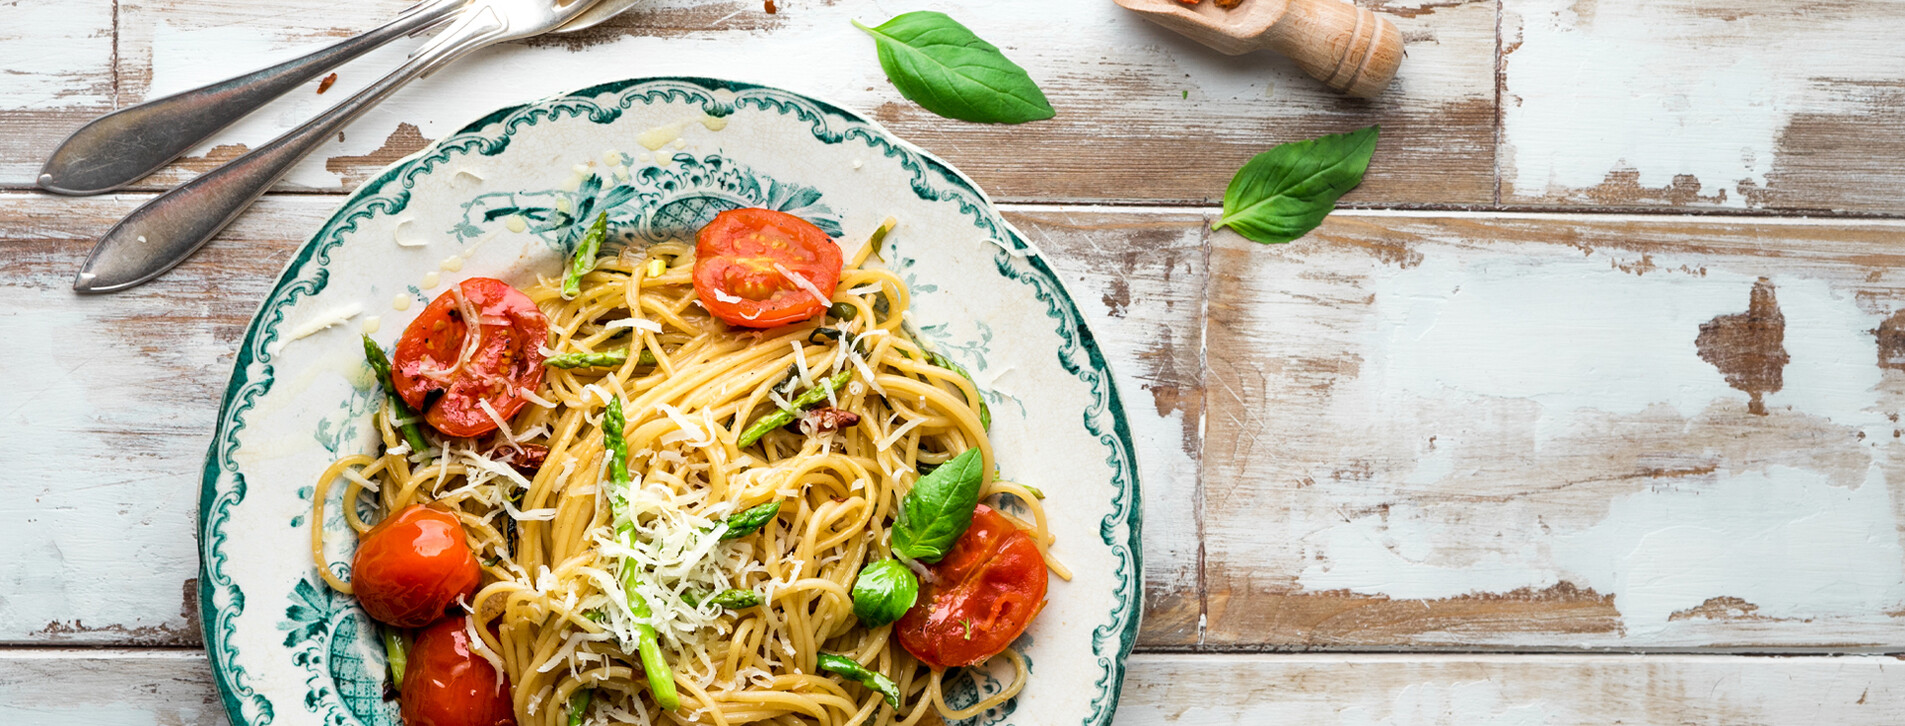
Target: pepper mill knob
{"type": "Point", "coordinates": [1349, 48]}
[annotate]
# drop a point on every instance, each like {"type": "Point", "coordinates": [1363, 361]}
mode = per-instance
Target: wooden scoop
{"type": "Point", "coordinates": [1348, 48]}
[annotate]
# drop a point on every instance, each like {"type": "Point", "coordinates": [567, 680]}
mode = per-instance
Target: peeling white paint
{"type": "Point", "coordinates": [1674, 87]}
{"type": "Point", "coordinates": [1548, 343]}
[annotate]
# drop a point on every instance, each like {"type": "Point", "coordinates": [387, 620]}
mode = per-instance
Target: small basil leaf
{"type": "Point", "coordinates": [946, 69]}
{"type": "Point", "coordinates": [939, 508]}
{"type": "Point", "coordinates": [1282, 194]}
{"type": "Point", "coordinates": [751, 521]}
{"type": "Point", "coordinates": [884, 592]}
{"type": "Point", "coordinates": [868, 677]}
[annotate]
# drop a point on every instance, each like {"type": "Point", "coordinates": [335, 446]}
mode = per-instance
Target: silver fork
{"type": "Point", "coordinates": [163, 232]}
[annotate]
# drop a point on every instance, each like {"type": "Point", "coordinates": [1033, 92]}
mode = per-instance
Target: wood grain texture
{"type": "Point", "coordinates": [1140, 278]}
{"type": "Point", "coordinates": [1754, 104]}
{"type": "Point", "coordinates": [1144, 114]}
{"type": "Point", "coordinates": [1540, 432]}
{"type": "Point", "coordinates": [56, 71]}
{"type": "Point", "coordinates": [126, 388]}
{"type": "Point", "coordinates": [174, 688]}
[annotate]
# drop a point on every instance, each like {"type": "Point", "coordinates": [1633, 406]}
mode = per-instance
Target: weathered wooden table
{"type": "Point", "coordinates": [1587, 411]}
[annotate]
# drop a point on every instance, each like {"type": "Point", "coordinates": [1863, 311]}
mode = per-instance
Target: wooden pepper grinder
{"type": "Point", "coordinates": [1348, 48]}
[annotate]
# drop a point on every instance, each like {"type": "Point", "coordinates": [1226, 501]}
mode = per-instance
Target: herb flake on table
{"type": "Point", "coordinates": [1282, 194]}
{"type": "Point", "coordinates": [948, 70]}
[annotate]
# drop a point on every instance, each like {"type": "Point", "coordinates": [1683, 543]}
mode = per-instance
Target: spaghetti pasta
{"type": "Point", "coordinates": [565, 550]}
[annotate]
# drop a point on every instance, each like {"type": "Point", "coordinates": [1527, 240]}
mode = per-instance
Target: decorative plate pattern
{"type": "Point", "coordinates": [504, 197]}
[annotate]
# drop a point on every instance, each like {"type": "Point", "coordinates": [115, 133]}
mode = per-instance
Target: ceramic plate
{"type": "Point", "coordinates": [662, 156]}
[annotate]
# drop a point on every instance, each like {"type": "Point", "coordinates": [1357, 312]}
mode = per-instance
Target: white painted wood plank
{"type": "Point", "coordinates": [114, 688]}
{"type": "Point", "coordinates": [1143, 113]}
{"type": "Point", "coordinates": [56, 70]}
{"type": "Point", "coordinates": [1751, 103]}
{"type": "Point", "coordinates": [1557, 432]}
{"type": "Point", "coordinates": [1139, 278]}
{"type": "Point", "coordinates": [108, 688]}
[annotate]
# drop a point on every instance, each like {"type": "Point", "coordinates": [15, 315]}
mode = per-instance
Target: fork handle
{"type": "Point", "coordinates": [122, 147]}
{"type": "Point", "coordinates": [163, 232]}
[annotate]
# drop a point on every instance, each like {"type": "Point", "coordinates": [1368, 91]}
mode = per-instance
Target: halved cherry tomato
{"type": "Point", "coordinates": [739, 259]}
{"type": "Point", "coordinates": [983, 594]}
{"type": "Point", "coordinates": [506, 356]}
{"type": "Point", "coordinates": [446, 684]}
{"type": "Point", "coordinates": [413, 566]}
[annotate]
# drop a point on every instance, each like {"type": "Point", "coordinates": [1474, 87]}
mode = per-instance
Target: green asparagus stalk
{"type": "Point", "coordinates": [661, 680]}
{"type": "Point", "coordinates": [396, 655]}
{"type": "Point", "coordinates": [585, 252]}
{"type": "Point", "coordinates": [785, 416]}
{"type": "Point", "coordinates": [608, 359]}
{"type": "Point", "coordinates": [412, 431]}
{"type": "Point", "coordinates": [579, 705]}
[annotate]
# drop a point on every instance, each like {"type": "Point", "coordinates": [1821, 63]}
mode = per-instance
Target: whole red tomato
{"type": "Point", "coordinates": [982, 595]}
{"type": "Point", "coordinates": [745, 262]}
{"type": "Point", "coordinates": [447, 684]}
{"type": "Point", "coordinates": [413, 566]}
{"type": "Point", "coordinates": [506, 344]}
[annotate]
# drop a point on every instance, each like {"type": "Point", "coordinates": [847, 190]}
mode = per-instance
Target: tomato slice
{"type": "Point", "coordinates": [447, 684]}
{"type": "Point", "coordinates": [413, 566]}
{"type": "Point", "coordinates": [743, 262]}
{"type": "Point", "coordinates": [983, 594]}
{"type": "Point", "coordinates": [505, 356]}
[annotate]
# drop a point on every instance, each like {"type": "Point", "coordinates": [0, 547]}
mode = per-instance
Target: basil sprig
{"type": "Point", "coordinates": [1282, 194]}
{"type": "Point", "coordinates": [868, 677]}
{"type": "Point", "coordinates": [939, 508]}
{"type": "Point", "coordinates": [883, 592]}
{"type": "Point", "coordinates": [946, 69]}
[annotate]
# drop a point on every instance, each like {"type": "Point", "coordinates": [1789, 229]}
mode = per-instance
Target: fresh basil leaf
{"type": "Point", "coordinates": [751, 521]}
{"type": "Point", "coordinates": [1282, 194]}
{"type": "Point", "coordinates": [868, 677]}
{"type": "Point", "coordinates": [884, 592]}
{"type": "Point", "coordinates": [939, 508]}
{"type": "Point", "coordinates": [946, 69]}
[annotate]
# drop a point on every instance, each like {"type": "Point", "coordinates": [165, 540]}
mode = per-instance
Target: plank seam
{"type": "Point", "coordinates": [1501, 79]}
{"type": "Point", "coordinates": [1203, 417]}
{"type": "Point", "coordinates": [1115, 205]}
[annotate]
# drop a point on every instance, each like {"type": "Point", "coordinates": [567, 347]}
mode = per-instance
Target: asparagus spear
{"type": "Point", "coordinates": [661, 680]}
{"type": "Point", "coordinates": [396, 655]}
{"type": "Point", "coordinates": [412, 432]}
{"type": "Point", "coordinates": [579, 705]}
{"type": "Point", "coordinates": [785, 416]}
{"type": "Point", "coordinates": [585, 252]}
{"type": "Point", "coordinates": [609, 359]}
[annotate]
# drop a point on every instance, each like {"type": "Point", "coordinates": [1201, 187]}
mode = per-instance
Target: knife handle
{"type": "Point", "coordinates": [125, 146]}
{"type": "Point", "coordinates": [163, 232]}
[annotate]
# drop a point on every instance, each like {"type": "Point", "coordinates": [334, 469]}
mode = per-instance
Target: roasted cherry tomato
{"type": "Point", "coordinates": [745, 261]}
{"type": "Point", "coordinates": [505, 356]}
{"type": "Point", "coordinates": [412, 567]}
{"type": "Point", "coordinates": [983, 594]}
{"type": "Point", "coordinates": [446, 684]}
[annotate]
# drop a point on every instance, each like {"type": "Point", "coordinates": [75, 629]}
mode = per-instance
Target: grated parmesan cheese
{"type": "Point", "coordinates": [803, 283]}
{"type": "Point", "coordinates": [320, 322]}
{"type": "Point", "coordinates": [636, 323]}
